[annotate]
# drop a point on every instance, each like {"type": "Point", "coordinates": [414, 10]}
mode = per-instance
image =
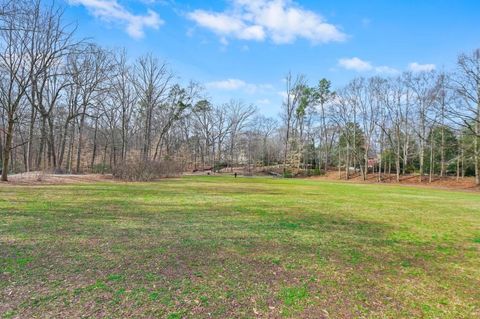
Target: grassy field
{"type": "Point", "coordinates": [218, 247]}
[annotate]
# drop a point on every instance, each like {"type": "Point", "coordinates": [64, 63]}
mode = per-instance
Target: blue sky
{"type": "Point", "coordinates": [243, 48]}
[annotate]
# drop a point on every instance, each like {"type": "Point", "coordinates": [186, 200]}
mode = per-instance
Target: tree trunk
{"type": "Point", "coordinates": [432, 168]}
{"type": "Point", "coordinates": [70, 149]}
{"type": "Point", "coordinates": [285, 154]}
{"type": "Point", "coordinates": [33, 116]}
{"type": "Point", "coordinates": [148, 134]}
{"type": "Point", "coordinates": [43, 137]}
{"type": "Point", "coordinates": [397, 168]}
{"type": "Point", "coordinates": [94, 151]}
{"type": "Point", "coordinates": [477, 136]}
{"type": "Point", "coordinates": [365, 170]}
{"type": "Point", "coordinates": [7, 148]}
{"type": "Point", "coordinates": [405, 153]}
{"type": "Point", "coordinates": [339, 164]}
{"type": "Point", "coordinates": [124, 135]}
{"type": "Point", "coordinates": [475, 151]}
{"type": "Point", "coordinates": [458, 167]}
{"type": "Point", "coordinates": [397, 161]}
{"type": "Point", "coordinates": [80, 141]}
{"type": "Point", "coordinates": [158, 146]}
{"type": "Point", "coordinates": [422, 145]}
{"type": "Point", "coordinates": [104, 161]}
{"type": "Point", "coordinates": [213, 156]}
{"type": "Point", "coordinates": [113, 152]}
{"type": "Point", "coordinates": [442, 153]}
{"type": "Point", "coordinates": [422, 155]}
{"type": "Point", "coordinates": [51, 142]}
{"type": "Point", "coordinates": [63, 143]}
{"type": "Point", "coordinates": [382, 136]}
{"type": "Point", "coordinates": [1, 148]}
{"type": "Point", "coordinates": [347, 163]}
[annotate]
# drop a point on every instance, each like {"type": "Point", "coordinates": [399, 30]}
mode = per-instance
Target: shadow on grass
{"type": "Point", "coordinates": [126, 251]}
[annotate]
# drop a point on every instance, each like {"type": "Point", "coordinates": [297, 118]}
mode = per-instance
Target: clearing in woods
{"type": "Point", "coordinates": [219, 247]}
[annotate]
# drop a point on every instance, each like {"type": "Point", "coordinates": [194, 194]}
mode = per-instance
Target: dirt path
{"type": "Point", "coordinates": [40, 178]}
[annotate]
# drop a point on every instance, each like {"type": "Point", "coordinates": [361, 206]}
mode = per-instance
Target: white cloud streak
{"type": "Point", "coordinates": [416, 67]}
{"type": "Point", "coordinates": [281, 21]}
{"type": "Point", "coordinates": [236, 84]}
{"type": "Point", "coordinates": [111, 11]}
{"type": "Point", "coordinates": [359, 65]}
{"type": "Point", "coordinates": [355, 64]}
{"type": "Point", "coordinates": [229, 84]}
{"type": "Point", "coordinates": [383, 69]}
{"type": "Point", "coordinates": [263, 102]}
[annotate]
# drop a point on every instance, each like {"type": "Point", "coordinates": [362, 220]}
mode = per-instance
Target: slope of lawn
{"type": "Point", "coordinates": [218, 247]}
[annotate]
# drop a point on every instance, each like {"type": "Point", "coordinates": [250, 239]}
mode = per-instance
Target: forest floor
{"type": "Point", "coordinates": [219, 247]}
{"type": "Point", "coordinates": [39, 178]}
{"type": "Point", "coordinates": [446, 182]}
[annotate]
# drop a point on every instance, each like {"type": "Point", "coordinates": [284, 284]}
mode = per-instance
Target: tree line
{"type": "Point", "coordinates": [70, 106]}
{"type": "Point", "coordinates": [427, 123]}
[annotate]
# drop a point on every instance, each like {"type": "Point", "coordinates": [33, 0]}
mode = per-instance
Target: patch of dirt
{"type": "Point", "coordinates": [41, 178]}
{"type": "Point", "coordinates": [447, 182]}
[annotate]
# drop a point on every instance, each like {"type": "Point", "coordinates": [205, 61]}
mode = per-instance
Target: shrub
{"type": "Point", "coordinates": [219, 166]}
{"type": "Point", "coordinates": [136, 171]}
{"type": "Point", "coordinates": [101, 169]}
{"type": "Point", "coordinates": [288, 174]}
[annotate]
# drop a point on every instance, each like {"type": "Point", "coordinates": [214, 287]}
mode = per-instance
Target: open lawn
{"type": "Point", "coordinates": [218, 247]}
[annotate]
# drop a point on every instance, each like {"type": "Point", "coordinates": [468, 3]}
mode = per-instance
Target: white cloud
{"type": "Point", "coordinates": [263, 102]}
{"type": "Point", "coordinates": [229, 84]}
{"type": "Point", "coordinates": [281, 21]}
{"type": "Point", "coordinates": [359, 65]}
{"type": "Point", "coordinates": [416, 67]}
{"type": "Point", "coordinates": [355, 64]}
{"type": "Point", "coordinates": [236, 84]}
{"type": "Point", "coordinates": [113, 12]}
{"type": "Point", "coordinates": [386, 70]}
{"type": "Point", "coordinates": [283, 94]}
{"type": "Point", "coordinates": [224, 25]}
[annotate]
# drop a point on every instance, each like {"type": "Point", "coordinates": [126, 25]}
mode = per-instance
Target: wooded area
{"type": "Point", "coordinates": [70, 106]}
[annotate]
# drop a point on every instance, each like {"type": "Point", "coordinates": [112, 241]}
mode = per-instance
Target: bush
{"type": "Point", "coordinates": [219, 166]}
{"type": "Point", "coordinates": [147, 170]}
{"type": "Point", "coordinates": [410, 169]}
{"type": "Point", "coordinates": [288, 174]}
{"type": "Point", "coordinates": [101, 169]}
{"type": "Point", "coordinates": [316, 172]}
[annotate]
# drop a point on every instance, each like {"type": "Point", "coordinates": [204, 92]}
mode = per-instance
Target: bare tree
{"type": "Point", "coordinates": [14, 73]}
{"type": "Point", "coordinates": [265, 127]}
{"type": "Point", "coordinates": [467, 84]}
{"type": "Point", "coordinates": [239, 114]}
{"type": "Point", "coordinates": [203, 124]}
{"type": "Point", "coordinates": [93, 72]}
{"type": "Point", "coordinates": [178, 103]}
{"type": "Point", "coordinates": [152, 83]}
{"type": "Point", "coordinates": [293, 94]}
{"type": "Point", "coordinates": [392, 125]}
{"type": "Point", "coordinates": [123, 94]}
{"type": "Point", "coordinates": [49, 43]}
{"type": "Point", "coordinates": [425, 90]}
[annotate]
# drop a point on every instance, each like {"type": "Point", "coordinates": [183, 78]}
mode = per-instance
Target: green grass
{"type": "Point", "coordinates": [218, 247]}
